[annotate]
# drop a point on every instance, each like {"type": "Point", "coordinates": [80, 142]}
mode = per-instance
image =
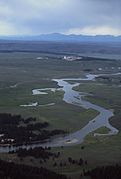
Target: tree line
{"type": "Point", "coordinates": [16, 130]}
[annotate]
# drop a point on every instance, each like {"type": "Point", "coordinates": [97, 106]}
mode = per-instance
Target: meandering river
{"type": "Point", "coordinates": [75, 98]}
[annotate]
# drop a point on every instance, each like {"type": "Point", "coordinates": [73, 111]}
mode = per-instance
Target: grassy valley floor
{"type": "Point", "coordinates": [29, 73]}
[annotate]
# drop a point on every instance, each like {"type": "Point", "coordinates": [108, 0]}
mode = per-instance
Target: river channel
{"type": "Point", "coordinates": [75, 98]}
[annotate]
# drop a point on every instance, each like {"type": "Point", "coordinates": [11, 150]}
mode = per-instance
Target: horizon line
{"type": "Point", "coordinates": [57, 33]}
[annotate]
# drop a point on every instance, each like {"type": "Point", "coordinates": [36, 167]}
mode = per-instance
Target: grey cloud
{"type": "Point", "coordinates": [45, 16]}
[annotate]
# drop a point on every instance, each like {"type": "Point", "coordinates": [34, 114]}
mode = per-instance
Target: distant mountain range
{"type": "Point", "coordinates": [57, 37]}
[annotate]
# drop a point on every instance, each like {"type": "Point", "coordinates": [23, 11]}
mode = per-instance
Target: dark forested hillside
{"type": "Point", "coordinates": [108, 172]}
{"type": "Point", "coordinates": [14, 171]}
{"type": "Point", "coordinates": [16, 130]}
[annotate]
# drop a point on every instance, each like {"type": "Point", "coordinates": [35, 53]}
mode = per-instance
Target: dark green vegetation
{"type": "Point", "coordinates": [9, 170]}
{"type": "Point", "coordinates": [37, 152]}
{"type": "Point", "coordinates": [29, 73]}
{"type": "Point", "coordinates": [111, 172]}
{"type": "Point", "coordinates": [15, 130]}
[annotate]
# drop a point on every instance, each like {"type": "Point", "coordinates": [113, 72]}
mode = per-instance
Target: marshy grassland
{"type": "Point", "coordinates": [20, 73]}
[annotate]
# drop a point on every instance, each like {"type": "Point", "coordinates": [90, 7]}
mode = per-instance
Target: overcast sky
{"type": "Point", "coordinates": [31, 17]}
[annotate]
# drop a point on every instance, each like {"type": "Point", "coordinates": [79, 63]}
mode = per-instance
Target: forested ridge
{"type": "Point", "coordinates": [10, 170]}
{"type": "Point", "coordinates": [105, 172]}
